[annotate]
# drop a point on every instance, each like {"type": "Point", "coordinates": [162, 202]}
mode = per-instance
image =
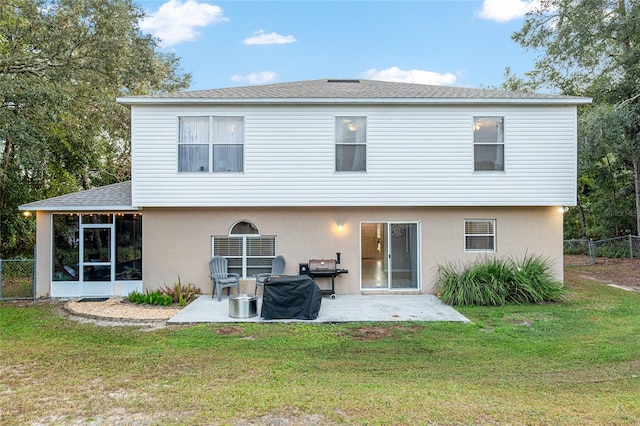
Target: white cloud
{"type": "Point", "coordinates": [175, 22]}
{"type": "Point", "coordinates": [505, 10]}
{"type": "Point", "coordinates": [260, 37]}
{"type": "Point", "coordinates": [255, 78]}
{"type": "Point", "coordinates": [410, 76]}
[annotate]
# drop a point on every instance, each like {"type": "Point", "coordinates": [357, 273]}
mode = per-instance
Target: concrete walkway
{"type": "Point", "coordinates": [344, 308]}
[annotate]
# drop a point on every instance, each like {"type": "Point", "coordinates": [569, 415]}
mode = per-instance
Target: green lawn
{"type": "Point", "coordinates": [574, 363]}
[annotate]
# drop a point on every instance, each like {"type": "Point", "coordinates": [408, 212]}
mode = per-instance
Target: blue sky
{"type": "Point", "coordinates": [238, 43]}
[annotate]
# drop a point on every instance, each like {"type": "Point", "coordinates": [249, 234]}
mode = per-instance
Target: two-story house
{"type": "Point", "coordinates": [399, 178]}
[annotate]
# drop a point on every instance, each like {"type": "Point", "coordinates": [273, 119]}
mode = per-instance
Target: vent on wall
{"type": "Point", "coordinates": [343, 81]}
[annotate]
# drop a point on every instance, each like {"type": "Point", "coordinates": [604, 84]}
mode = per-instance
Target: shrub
{"type": "Point", "coordinates": [495, 282]}
{"type": "Point", "coordinates": [153, 298]}
{"type": "Point", "coordinates": [532, 282]}
{"type": "Point", "coordinates": [478, 284]}
{"type": "Point", "coordinates": [166, 296]}
{"type": "Point", "coordinates": [180, 294]}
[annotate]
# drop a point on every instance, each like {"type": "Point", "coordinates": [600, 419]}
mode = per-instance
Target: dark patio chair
{"type": "Point", "coordinates": [277, 268]}
{"type": "Point", "coordinates": [221, 278]}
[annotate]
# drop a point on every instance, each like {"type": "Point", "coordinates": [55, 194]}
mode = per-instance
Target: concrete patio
{"type": "Point", "coordinates": [344, 308]}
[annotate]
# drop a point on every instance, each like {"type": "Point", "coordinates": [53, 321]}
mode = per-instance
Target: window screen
{"type": "Point", "coordinates": [247, 255]}
{"type": "Point", "coordinates": [488, 143]}
{"type": "Point", "coordinates": [480, 235]}
{"type": "Point", "coordinates": [210, 144]}
{"type": "Point", "coordinates": [351, 144]}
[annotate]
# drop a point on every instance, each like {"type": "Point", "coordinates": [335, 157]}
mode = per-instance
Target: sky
{"type": "Point", "coordinates": [234, 43]}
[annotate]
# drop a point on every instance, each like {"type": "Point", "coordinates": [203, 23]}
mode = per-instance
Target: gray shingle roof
{"type": "Point", "coordinates": [348, 89]}
{"type": "Point", "coordinates": [110, 197]}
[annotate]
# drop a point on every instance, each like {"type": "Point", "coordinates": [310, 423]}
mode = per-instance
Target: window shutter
{"type": "Point", "coordinates": [261, 246]}
{"type": "Point", "coordinates": [479, 235]}
{"type": "Point", "coordinates": [227, 246]}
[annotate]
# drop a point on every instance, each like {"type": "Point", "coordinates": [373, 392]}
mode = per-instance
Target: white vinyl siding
{"type": "Point", "coordinates": [416, 156]}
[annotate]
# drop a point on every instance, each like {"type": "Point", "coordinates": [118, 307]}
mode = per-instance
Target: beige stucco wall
{"type": "Point", "coordinates": [43, 254]}
{"type": "Point", "coordinates": [177, 241]}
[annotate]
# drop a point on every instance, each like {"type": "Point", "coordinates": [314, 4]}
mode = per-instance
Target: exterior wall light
{"type": "Point", "coordinates": [563, 209]}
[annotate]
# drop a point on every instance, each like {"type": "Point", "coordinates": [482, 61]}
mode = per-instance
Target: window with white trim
{"type": "Point", "coordinates": [488, 143]}
{"type": "Point", "coordinates": [210, 144]}
{"type": "Point", "coordinates": [248, 253]}
{"type": "Point", "coordinates": [480, 235]}
{"type": "Point", "coordinates": [351, 144]}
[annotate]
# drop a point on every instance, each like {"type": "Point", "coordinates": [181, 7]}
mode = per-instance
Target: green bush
{"type": "Point", "coordinates": [166, 296]}
{"type": "Point", "coordinates": [181, 294]}
{"type": "Point", "coordinates": [531, 282]}
{"type": "Point", "coordinates": [477, 284]}
{"type": "Point", "coordinates": [613, 252]}
{"type": "Point", "coordinates": [153, 298]}
{"type": "Point", "coordinates": [495, 282]}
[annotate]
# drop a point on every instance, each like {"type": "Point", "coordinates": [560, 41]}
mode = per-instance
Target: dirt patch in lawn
{"type": "Point", "coordinates": [228, 330]}
{"type": "Point", "coordinates": [620, 273]}
{"type": "Point", "coordinates": [376, 332]}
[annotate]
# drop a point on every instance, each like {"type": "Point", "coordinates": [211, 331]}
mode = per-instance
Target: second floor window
{"type": "Point", "coordinates": [351, 144]}
{"type": "Point", "coordinates": [488, 143]}
{"type": "Point", "coordinates": [210, 144]}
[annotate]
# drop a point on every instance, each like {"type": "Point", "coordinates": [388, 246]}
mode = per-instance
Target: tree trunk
{"type": "Point", "coordinates": [583, 222]}
{"type": "Point", "coordinates": [86, 181]}
{"type": "Point", "coordinates": [636, 176]}
{"type": "Point", "coordinates": [3, 179]}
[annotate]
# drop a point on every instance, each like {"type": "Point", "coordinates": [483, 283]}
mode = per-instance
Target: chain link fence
{"type": "Point", "coordinates": [618, 247]}
{"type": "Point", "coordinates": [17, 279]}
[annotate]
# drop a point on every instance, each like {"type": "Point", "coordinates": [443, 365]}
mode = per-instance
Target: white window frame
{"type": "Point", "coordinates": [493, 235]}
{"type": "Point", "coordinates": [498, 143]}
{"type": "Point", "coordinates": [211, 144]}
{"type": "Point", "coordinates": [245, 256]}
{"type": "Point", "coordinates": [341, 143]}
{"type": "Point", "coordinates": [198, 143]}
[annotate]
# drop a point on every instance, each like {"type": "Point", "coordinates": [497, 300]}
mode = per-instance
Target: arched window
{"type": "Point", "coordinates": [247, 252]}
{"type": "Point", "coordinates": [244, 228]}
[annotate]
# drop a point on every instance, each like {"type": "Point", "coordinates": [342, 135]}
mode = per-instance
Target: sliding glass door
{"type": "Point", "coordinates": [390, 253]}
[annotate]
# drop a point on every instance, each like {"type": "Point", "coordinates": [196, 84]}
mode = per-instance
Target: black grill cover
{"type": "Point", "coordinates": [295, 297]}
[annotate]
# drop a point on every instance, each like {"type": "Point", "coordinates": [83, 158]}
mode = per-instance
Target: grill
{"type": "Point", "coordinates": [324, 268]}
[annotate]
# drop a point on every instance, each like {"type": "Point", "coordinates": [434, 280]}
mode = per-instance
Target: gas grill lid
{"type": "Point", "coordinates": [322, 265]}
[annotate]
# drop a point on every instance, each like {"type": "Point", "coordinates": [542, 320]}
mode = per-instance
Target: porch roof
{"type": "Point", "coordinates": [115, 197]}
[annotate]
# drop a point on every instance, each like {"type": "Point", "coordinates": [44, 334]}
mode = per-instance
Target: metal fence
{"type": "Point", "coordinates": [17, 279]}
{"type": "Point", "coordinates": [618, 247]}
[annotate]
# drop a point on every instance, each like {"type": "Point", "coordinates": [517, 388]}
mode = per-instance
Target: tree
{"type": "Point", "coordinates": [590, 47]}
{"type": "Point", "coordinates": [605, 179]}
{"type": "Point", "coordinates": [62, 65]}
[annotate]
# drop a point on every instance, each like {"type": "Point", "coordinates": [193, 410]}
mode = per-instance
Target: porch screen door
{"type": "Point", "coordinates": [390, 256]}
{"type": "Point", "coordinates": [97, 259]}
